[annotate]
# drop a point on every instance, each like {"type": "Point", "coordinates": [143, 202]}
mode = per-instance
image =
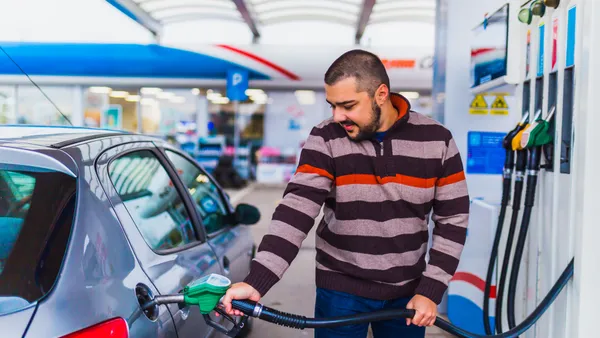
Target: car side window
{"type": "Point", "coordinates": [152, 200]}
{"type": "Point", "coordinates": [204, 192]}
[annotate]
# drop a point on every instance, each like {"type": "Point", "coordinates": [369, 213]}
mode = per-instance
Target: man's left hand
{"type": "Point", "coordinates": [425, 311]}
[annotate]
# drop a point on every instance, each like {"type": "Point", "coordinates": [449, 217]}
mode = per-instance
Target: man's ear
{"type": "Point", "coordinates": [382, 94]}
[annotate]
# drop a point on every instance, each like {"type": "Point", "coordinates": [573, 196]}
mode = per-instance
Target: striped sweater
{"type": "Point", "coordinates": [377, 198]}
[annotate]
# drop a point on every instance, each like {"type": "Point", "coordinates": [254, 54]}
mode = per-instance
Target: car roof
{"type": "Point", "coordinates": [53, 136]}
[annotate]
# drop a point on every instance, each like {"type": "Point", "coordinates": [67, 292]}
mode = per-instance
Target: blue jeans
{"type": "Point", "coordinates": [331, 303]}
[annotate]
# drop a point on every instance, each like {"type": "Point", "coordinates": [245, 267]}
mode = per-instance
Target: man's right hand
{"type": "Point", "coordinates": [239, 291]}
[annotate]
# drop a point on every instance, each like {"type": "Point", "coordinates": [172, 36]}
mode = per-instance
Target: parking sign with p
{"type": "Point", "coordinates": [237, 83]}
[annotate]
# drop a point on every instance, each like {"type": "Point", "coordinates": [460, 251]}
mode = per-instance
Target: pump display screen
{"type": "Point", "coordinates": [489, 43]}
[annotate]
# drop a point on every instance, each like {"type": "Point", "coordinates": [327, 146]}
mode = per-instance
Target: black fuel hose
{"type": "Point", "coordinates": [533, 169]}
{"type": "Point", "coordinates": [506, 184]}
{"type": "Point", "coordinates": [516, 205]}
{"type": "Point", "coordinates": [255, 309]}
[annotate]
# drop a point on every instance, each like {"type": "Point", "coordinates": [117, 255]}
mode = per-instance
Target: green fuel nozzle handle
{"type": "Point", "coordinates": [204, 293]}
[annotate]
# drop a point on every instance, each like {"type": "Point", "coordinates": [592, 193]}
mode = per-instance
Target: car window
{"type": "Point", "coordinates": [204, 192]}
{"type": "Point", "coordinates": [152, 200]}
{"type": "Point", "coordinates": [36, 217]}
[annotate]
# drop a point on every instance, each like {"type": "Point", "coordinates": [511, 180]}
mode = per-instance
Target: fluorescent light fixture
{"type": "Point", "coordinates": [165, 95]}
{"type": "Point", "coordinates": [253, 92]}
{"type": "Point", "coordinates": [119, 94]}
{"type": "Point", "coordinates": [220, 100]}
{"type": "Point", "coordinates": [305, 97]}
{"type": "Point", "coordinates": [133, 98]}
{"type": "Point", "coordinates": [410, 95]}
{"type": "Point", "coordinates": [177, 99]}
{"type": "Point", "coordinates": [213, 95]}
{"type": "Point", "coordinates": [196, 91]}
{"type": "Point", "coordinates": [100, 90]}
{"type": "Point", "coordinates": [150, 91]}
{"type": "Point", "coordinates": [258, 96]}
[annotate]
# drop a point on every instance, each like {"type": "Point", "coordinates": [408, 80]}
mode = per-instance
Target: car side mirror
{"type": "Point", "coordinates": [247, 214]}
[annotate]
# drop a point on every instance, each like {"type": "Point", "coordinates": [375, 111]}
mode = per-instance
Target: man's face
{"type": "Point", "coordinates": [355, 111]}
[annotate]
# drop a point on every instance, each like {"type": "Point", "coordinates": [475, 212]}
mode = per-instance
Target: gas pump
{"type": "Point", "coordinates": [547, 145]}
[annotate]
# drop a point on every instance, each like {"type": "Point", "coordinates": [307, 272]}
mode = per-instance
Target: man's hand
{"type": "Point", "coordinates": [425, 311]}
{"type": "Point", "coordinates": [239, 291]}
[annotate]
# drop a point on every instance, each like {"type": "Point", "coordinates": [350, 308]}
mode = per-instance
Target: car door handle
{"type": "Point", "coordinates": [226, 264]}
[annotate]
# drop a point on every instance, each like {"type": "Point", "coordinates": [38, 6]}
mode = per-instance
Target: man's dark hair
{"type": "Point", "coordinates": [365, 67]}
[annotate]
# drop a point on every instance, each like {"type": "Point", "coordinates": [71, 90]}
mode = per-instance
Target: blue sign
{"type": "Point", "coordinates": [485, 154]}
{"type": "Point", "coordinates": [540, 70]}
{"type": "Point", "coordinates": [571, 25]}
{"type": "Point", "coordinates": [237, 83]}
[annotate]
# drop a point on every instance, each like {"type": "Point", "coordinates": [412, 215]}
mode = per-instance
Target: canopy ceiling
{"type": "Point", "coordinates": [155, 14]}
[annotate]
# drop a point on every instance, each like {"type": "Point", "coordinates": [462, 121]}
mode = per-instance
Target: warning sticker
{"type": "Point", "coordinates": [478, 106]}
{"type": "Point", "coordinates": [499, 106]}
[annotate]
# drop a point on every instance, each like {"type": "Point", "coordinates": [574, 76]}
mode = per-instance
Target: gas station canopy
{"type": "Point", "coordinates": [154, 14]}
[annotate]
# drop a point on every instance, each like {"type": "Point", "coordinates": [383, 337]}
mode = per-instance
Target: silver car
{"type": "Point", "coordinates": [94, 223]}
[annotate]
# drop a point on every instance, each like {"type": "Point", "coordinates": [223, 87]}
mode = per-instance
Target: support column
{"type": "Point", "coordinates": [202, 116]}
{"type": "Point", "coordinates": [78, 106]}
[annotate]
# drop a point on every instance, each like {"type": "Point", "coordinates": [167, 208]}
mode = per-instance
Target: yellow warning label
{"type": "Point", "coordinates": [479, 106]}
{"type": "Point", "coordinates": [476, 111]}
{"type": "Point", "coordinates": [479, 102]}
{"type": "Point", "coordinates": [499, 103]}
{"type": "Point", "coordinates": [499, 111]}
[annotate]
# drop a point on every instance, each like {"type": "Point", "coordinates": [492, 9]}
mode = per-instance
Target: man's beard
{"type": "Point", "coordinates": [367, 132]}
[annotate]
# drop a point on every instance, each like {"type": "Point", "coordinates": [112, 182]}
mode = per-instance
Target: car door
{"type": "Point", "coordinates": [151, 203]}
{"type": "Point", "coordinates": [232, 243]}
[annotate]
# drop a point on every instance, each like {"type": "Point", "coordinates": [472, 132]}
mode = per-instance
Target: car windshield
{"type": "Point", "coordinates": [36, 212]}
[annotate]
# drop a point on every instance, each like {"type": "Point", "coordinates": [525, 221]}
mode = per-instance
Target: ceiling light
{"type": "Point", "coordinates": [258, 96]}
{"type": "Point", "coordinates": [150, 91]}
{"type": "Point", "coordinates": [119, 94]}
{"type": "Point", "coordinates": [410, 95]}
{"type": "Point", "coordinates": [196, 91]}
{"type": "Point", "coordinates": [213, 95]}
{"type": "Point", "coordinates": [252, 92]}
{"type": "Point", "coordinates": [165, 95]}
{"type": "Point", "coordinates": [100, 90]}
{"type": "Point", "coordinates": [220, 100]}
{"type": "Point", "coordinates": [133, 98]}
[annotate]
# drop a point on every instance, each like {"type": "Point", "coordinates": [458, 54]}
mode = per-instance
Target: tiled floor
{"type": "Point", "coordinates": [296, 291]}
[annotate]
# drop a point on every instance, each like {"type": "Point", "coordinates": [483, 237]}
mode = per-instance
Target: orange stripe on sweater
{"type": "Point", "coordinates": [309, 169]}
{"type": "Point", "coordinates": [454, 178]}
{"type": "Point", "coordinates": [373, 179]}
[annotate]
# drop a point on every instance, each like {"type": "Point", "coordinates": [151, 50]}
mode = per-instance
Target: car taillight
{"type": "Point", "coordinates": [114, 328]}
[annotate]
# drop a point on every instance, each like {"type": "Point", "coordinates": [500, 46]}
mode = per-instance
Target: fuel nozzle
{"type": "Point", "coordinates": [507, 144]}
{"type": "Point", "coordinates": [535, 137]}
{"type": "Point", "coordinates": [205, 293]}
{"type": "Point", "coordinates": [164, 299]}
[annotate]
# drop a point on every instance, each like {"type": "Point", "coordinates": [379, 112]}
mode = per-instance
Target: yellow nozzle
{"type": "Point", "coordinates": [516, 141]}
{"type": "Point", "coordinates": [527, 133]}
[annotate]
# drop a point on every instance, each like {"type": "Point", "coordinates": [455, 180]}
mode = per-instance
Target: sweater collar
{"type": "Point", "coordinates": [402, 105]}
